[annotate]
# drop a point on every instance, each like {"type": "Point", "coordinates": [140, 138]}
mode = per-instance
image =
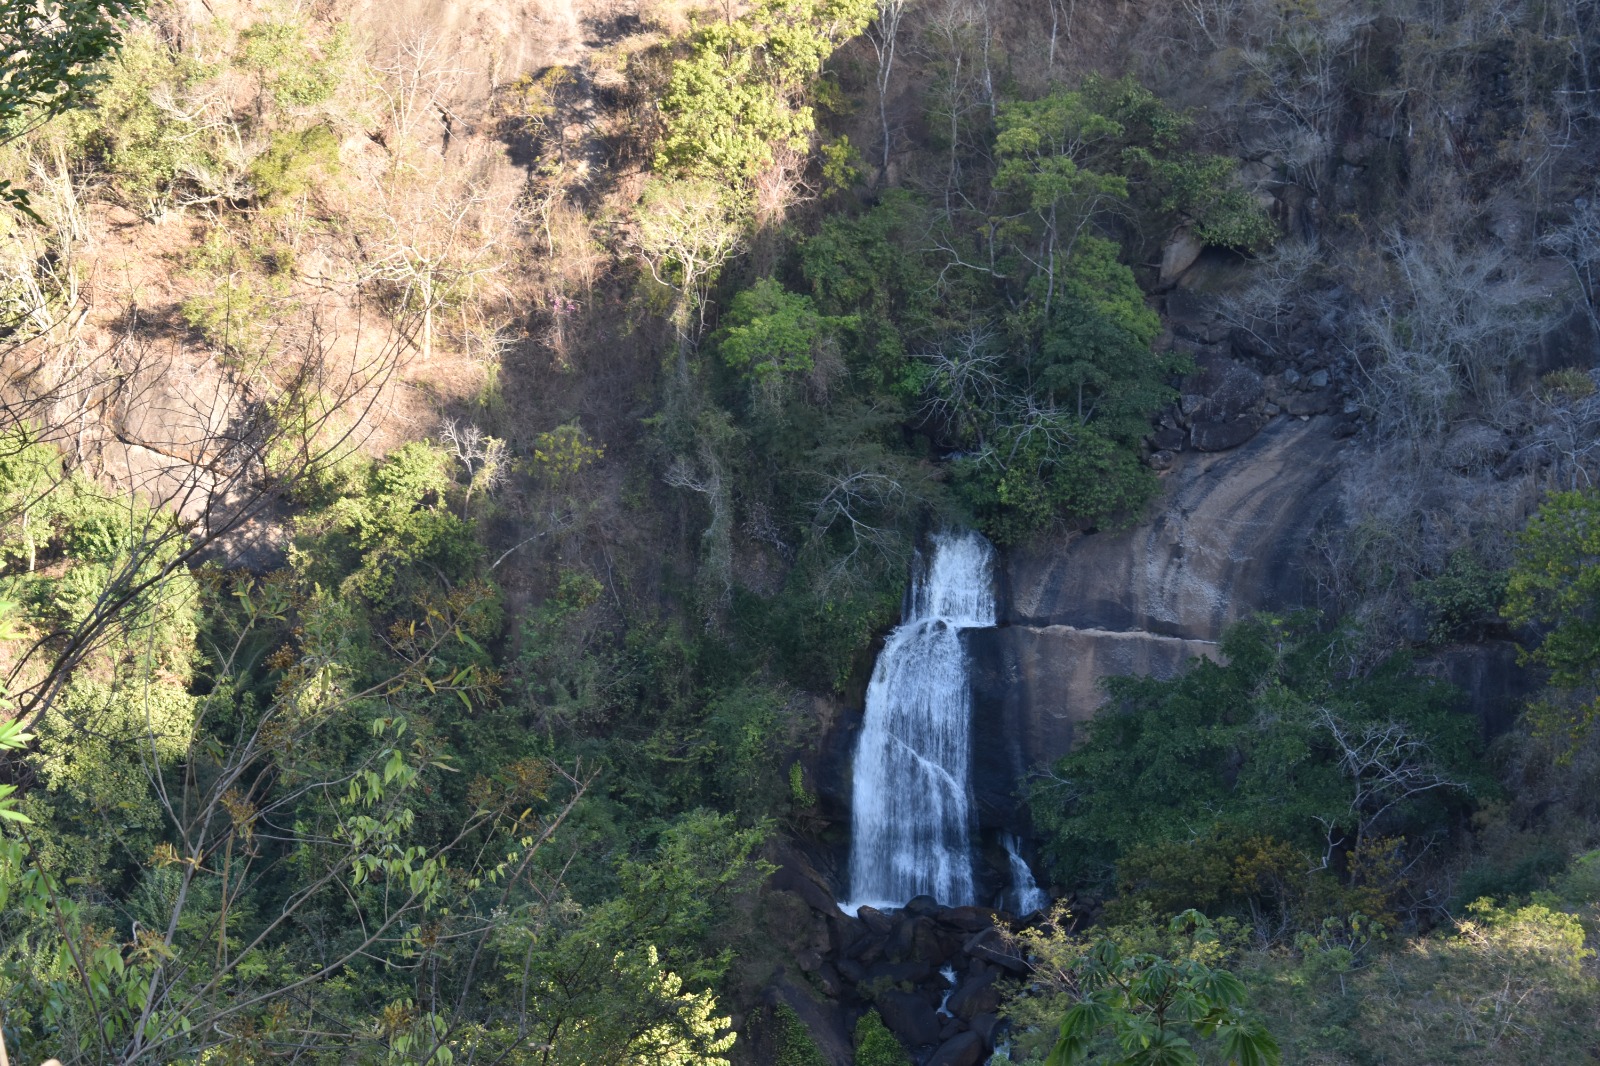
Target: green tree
{"type": "Point", "coordinates": [1273, 744]}
{"type": "Point", "coordinates": [768, 332]}
{"type": "Point", "coordinates": [53, 53]}
{"type": "Point", "coordinates": [1554, 584]}
{"type": "Point", "coordinates": [740, 94]}
{"type": "Point", "coordinates": [1144, 1008]}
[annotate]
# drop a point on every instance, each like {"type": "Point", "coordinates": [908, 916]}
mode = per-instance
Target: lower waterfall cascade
{"type": "Point", "coordinates": [911, 813]}
{"type": "Point", "coordinates": [1025, 896]}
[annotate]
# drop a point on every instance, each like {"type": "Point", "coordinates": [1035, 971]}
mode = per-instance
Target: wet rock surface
{"type": "Point", "coordinates": [897, 962]}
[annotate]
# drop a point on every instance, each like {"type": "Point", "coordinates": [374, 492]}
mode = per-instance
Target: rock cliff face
{"type": "Point", "coordinates": [1230, 537]}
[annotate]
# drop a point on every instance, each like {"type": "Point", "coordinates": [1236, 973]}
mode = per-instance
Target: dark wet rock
{"type": "Point", "coordinates": [923, 906]}
{"type": "Point", "coordinates": [988, 1026]}
{"type": "Point", "coordinates": [952, 1026]}
{"type": "Point", "coordinates": [975, 996]}
{"type": "Point", "coordinates": [909, 1017]}
{"type": "Point", "coordinates": [964, 1050]}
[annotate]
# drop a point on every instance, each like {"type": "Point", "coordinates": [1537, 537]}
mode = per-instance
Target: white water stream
{"type": "Point", "coordinates": [912, 803]}
{"type": "Point", "coordinates": [1025, 895]}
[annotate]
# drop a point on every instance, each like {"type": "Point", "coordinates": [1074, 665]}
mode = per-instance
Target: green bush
{"type": "Point", "coordinates": [292, 160]}
{"type": "Point", "coordinates": [1463, 600]}
{"type": "Point", "coordinates": [792, 1042]}
{"type": "Point", "coordinates": [875, 1045]}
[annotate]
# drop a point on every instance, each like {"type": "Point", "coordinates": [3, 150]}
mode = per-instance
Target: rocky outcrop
{"type": "Point", "coordinates": [1229, 537]}
{"type": "Point", "coordinates": [898, 963]}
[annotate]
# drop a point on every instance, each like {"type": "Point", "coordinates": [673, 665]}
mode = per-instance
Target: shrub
{"type": "Point", "coordinates": [792, 1041]}
{"type": "Point", "coordinates": [875, 1045]}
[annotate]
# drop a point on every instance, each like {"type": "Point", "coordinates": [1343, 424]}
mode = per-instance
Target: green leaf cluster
{"type": "Point", "coordinates": [1243, 755]}
{"type": "Point", "coordinates": [740, 93]}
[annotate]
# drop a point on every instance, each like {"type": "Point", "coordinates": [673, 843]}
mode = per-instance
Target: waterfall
{"type": "Point", "coordinates": [909, 832]}
{"type": "Point", "coordinates": [1025, 895]}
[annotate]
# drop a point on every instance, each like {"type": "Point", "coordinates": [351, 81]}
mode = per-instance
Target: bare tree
{"type": "Point", "coordinates": [484, 457]}
{"type": "Point", "coordinates": [1386, 764]}
{"type": "Point", "coordinates": [965, 381]}
{"type": "Point", "coordinates": [684, 231]}
{"type": "Point", "coordinates": [1448, 330]}
{"type": "Point", "coordinates": [419, 81]}
{"type": "Point", "coordinates": [861, 503]}
{"type": "Point", "coordinates": [440, 246]}
{"type": "Point", "coordinates": [704, 476]}
{"type": "Point", "coordinates": [884, 34]}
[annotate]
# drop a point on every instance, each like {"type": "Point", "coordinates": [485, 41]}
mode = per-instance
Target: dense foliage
{"type": "Point", "coordinates": [1217, 788]}
{"type": "Point", "coordinates": [332, 733]}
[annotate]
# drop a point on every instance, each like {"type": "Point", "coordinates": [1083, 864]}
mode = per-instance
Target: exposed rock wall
{"type": "Point", "coordinates": [1230, 536]}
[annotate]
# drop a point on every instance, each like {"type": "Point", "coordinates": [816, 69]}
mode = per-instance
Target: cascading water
{"type": "Point", "coordinates": [912, 797]}
{"type": "Point", "coordinates": [1025, 896]}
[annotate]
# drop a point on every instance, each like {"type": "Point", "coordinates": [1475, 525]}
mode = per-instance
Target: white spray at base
{"type": "Point", "coordinates": [912, 802]}
{"type": "Point", "coordinates": [1025, 895]}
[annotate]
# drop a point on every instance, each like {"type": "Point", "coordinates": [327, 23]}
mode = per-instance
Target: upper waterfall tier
{"type": "Point", "coordinates": [912, 797]}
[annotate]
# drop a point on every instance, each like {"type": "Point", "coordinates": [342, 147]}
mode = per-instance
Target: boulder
{"type": "Point", "coordinates": [875, 920]}
{"type": "Point", "coordinates": [867, 950]}
{"type": "Point", "coordinates": [991, 947]}
{"type": "Point", "coordinates": [1221, 436]}
{"type": "Point", "coordinates": [1182, 249]}
{"type": "Point", "coordinates": [895, 973]}
{"type": "Point", "coordinates": [966, 919]}
{"type": "Point", "coordinates": [1169, 438]}
{"type": "Point", "coordinates": [975, 996]}
{"type": "Point", "coordinates": [808, 885]}
{"type": "Point", "coordinates": [989, 1027]}
{"type": "Point", "coordinates": [1226, 389]}
{"type": "Point", "coordinates": [1316, 402]}
{"type": "Point", "coordinates": [923, 906]}
{"type": "Point", "coordinates": [909, 1017]}
{"type": "Point", "coordinates": [828, 980]}
{"type": "Point", "coordinates": [921, 940]}
{"type": "Point", "coordinates": [964, 1050]}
